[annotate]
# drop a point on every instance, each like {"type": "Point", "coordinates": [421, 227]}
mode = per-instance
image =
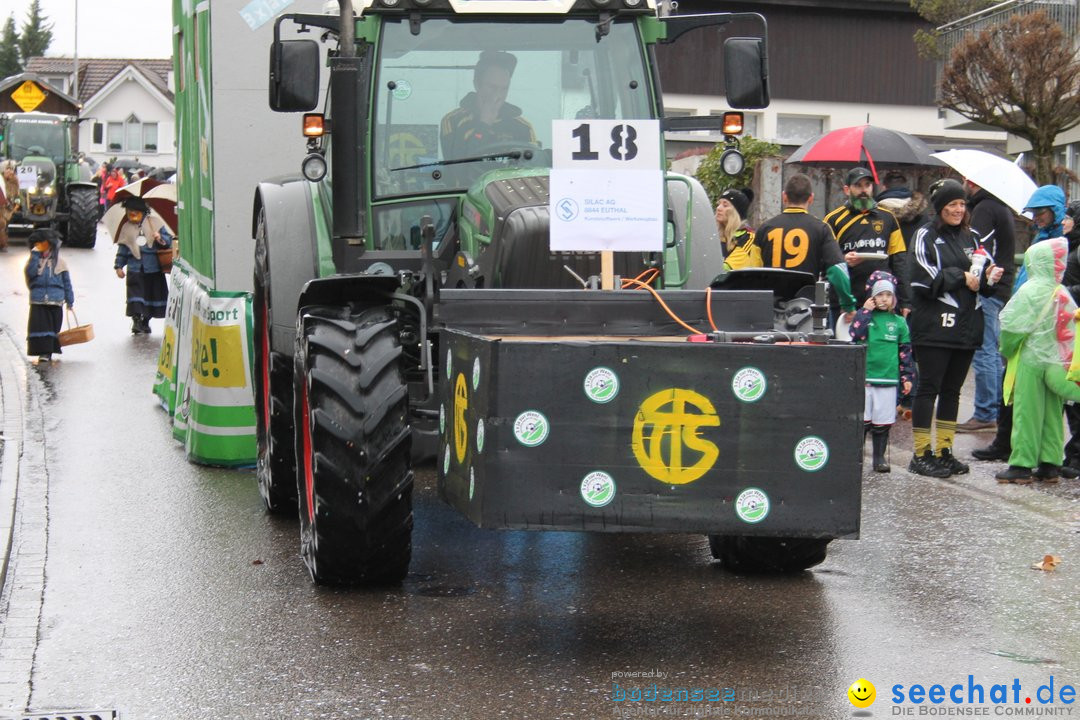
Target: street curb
{"type": "Point", "coordinates": [12, 417]}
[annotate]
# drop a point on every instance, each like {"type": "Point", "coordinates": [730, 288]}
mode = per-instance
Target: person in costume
{"type": "Point", "coordinates": [138, 241]}
{"type": "Point", "coordinates": [1037, 335]}
{"type": "Point", "coordinates": [49, 282]}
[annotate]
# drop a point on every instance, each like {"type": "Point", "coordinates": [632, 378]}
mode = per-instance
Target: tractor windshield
{"type": "Point", "coordinates": [465, 97]}
{"type": "Point", "coordinates": [36, 136]}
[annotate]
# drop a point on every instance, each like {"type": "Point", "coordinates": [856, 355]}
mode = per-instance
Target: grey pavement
{"type": "Point", "coordinates": [169, 593]}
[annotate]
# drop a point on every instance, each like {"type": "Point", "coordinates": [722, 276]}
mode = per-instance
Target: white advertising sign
{"type": "Point", "coordinates": [607, 186]}
{"type": "Point", "coordinates": [27, 175]}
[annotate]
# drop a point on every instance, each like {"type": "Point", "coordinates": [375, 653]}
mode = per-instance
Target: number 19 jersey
{"type": "Point", "coordinates": [796, 240]}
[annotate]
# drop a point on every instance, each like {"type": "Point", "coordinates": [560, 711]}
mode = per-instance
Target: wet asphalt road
{"type": "Point", "coordinates": [168, 593]}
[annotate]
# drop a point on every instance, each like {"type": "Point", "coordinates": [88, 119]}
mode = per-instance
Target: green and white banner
{"type": "Point", "coordinates": [205, 373]}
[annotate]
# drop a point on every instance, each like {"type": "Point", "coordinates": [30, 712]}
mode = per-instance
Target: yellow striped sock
{"type": "Point", "coordinates": [921, 439]}
{"type": "Point", "coordinates": [946, 431]}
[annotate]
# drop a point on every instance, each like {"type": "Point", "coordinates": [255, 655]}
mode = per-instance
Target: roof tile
{"type": "Point", "coordinates": [95, 73]}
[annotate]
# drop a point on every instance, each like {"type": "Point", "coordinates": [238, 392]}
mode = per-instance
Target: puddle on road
{"type": "Point", "coordinates": [1026, 659]}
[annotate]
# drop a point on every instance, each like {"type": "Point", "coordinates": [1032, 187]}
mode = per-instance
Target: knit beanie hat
{"type": "Point", "coordinates": [740, 199]}
{"type": "Point", "coordinates": [881, 281]}
{"type": "Point", "coordinates": [944, 192]}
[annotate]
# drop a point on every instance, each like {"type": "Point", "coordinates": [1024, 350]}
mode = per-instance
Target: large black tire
{"type": "Point", "coordinates": [750, 555]}
{"type": "Point", "coordinates": [83, 217]}
{"type": "Point", "coordinates": [275, 466]}
{"type": "Point", "coordinates": [353, 446]}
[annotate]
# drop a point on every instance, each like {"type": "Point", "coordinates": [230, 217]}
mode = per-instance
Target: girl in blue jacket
{"type": "Point", "coordinates": [50, 289]}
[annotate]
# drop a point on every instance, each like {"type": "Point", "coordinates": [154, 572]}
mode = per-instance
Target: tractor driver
{"type": "Point", "coordinates": [484, 119]}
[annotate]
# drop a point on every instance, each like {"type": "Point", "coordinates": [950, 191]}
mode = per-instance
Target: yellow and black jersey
{"type": "Point", "coordinates": [877, 232]}
{"type": "Point", "coordinates": [745, 253]}
{"type": "Point", "coordinates": [874, 231]}
{"type": "Point", "coordinates": [796, 240]}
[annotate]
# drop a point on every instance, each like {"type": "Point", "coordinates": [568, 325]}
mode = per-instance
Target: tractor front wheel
{"type": "Point", "coordinates": [354, 477]}
{"type": "Point", "coordinates": [748, 555]}
{"type": "Point", "coordinates": [82, 218]}
{"type": "Point", "coordinates": [275, 466]}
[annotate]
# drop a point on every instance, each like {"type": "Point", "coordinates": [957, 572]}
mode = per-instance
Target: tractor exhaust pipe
{"type": "Point", "coordinates": [347, 32]}
{"type": "Point", "coordinates": [347, 91]}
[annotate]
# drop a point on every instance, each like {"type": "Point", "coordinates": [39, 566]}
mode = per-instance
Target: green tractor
{"type": "Point", "coordinates": [55, 189]}
{"type": "Point", "coordinates": [414, 300]}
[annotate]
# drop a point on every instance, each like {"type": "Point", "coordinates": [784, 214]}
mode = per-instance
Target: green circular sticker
{"type": "Point", "coordinates": [601, 385]}
{"type": "Point", "coordinates": [752, 505]}
{"type": "Point", "coordinates": [442, 419]}
{"type": "Point", "coordinates": [811, 453]}
{"type": "Point", "coordinates": [446, 460]}
{"type": "Point", "coordinates": [402, 89]}
{"type": "Point", "coordinates": [480, 436]}
{"type": "Point", "coordinates": [531, 428]}
{"type": "Point", "coordinates": [472, 482]}
{"type": "Point", "coordinates": [476, 374]}
{"type": "Point", "coordinates": [449, 364]}
{"type": "Point", "coordinates": [598, 489]}
{"type": "Point", "coordinates": [749, 384]}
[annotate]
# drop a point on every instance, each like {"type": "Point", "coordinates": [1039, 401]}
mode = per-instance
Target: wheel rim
{"type": "Point", "coordinates": [309, 470]}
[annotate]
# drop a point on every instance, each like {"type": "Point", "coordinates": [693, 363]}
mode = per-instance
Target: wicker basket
{"type": "Point", "coordinates": [75, 333]}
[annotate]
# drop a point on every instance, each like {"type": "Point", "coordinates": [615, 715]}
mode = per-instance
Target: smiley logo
{"type": "Point", "coordinates": [862, 693]}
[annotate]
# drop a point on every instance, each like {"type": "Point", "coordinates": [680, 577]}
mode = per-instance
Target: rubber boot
{"type": "Point", "coordinates": [880, 438]}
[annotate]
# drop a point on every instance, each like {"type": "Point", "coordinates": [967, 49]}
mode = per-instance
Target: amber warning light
{"type": "Point", "coordinates": [314, 125]}
{"type": "Point", "coordinates": [733, 123]}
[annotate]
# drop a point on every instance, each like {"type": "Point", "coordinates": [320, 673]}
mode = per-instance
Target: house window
{"type": "Point", "coordinates": [116, 137]}
{"type": "Point", "coordinates": [132, 136]}
{"type": "Point", "coordinates": [797, 129]}
{"type": "Point", "coordinates": [149, 135]}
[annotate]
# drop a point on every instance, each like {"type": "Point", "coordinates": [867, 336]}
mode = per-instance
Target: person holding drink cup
{"type": "Point", "coordinates": [948, 278]}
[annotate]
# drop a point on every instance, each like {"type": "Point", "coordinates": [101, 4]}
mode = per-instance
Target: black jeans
{"type": "Point", "coordinates": [942, 372]}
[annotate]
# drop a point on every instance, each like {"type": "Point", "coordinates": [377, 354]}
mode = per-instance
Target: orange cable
{"type": "Point", "coordinates": [708, 308]}
{"type": "Point", "coordinates": [665, 306]}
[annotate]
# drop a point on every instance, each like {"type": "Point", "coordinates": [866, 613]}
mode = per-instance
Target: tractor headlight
{"type": "Point", "coordinates": [732, 162]}
{"type": "Point", "coordinates": [314, 167]}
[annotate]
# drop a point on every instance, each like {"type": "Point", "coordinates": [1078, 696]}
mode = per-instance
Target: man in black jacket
{"type": "Point", "coordinates": [994, 222]}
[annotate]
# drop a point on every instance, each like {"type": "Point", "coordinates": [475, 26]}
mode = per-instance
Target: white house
{"type": "Point", "coordinates": [127, 106]}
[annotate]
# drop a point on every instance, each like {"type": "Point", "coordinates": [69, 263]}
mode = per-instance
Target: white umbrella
{"type": "Point", "coordinates": [998, 176]}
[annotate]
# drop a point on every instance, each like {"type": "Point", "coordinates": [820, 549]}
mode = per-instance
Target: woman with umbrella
{"type": "Point", "coordinates": [138, 239]}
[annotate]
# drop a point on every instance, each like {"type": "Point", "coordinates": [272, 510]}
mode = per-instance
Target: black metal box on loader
{"type": "Point", "coordinates": [650, 433]}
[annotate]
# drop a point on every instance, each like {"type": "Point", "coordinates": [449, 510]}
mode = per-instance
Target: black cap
{"type": "Point", "coordinates": [136, 203]}
{"type": "Point", "coordinates": [740, 199]}
{"type": "Point", "coordinates": [944, 192]}
{"type": "Point", "coordinates": [44, 234]}
{"type": "Point", "coordinates": [856, 174]}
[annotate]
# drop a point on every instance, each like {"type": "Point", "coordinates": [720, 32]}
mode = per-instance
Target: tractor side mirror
{"type": "Point", "coordinates": [294, 75]}
{"type": "Point", "coordinates": [746, 73]}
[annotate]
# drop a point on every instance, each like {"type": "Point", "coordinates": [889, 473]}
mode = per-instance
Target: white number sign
{"type": "Point", "coordinates": [607, 186]}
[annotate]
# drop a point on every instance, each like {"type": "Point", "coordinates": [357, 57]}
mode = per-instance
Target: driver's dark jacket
{"type": "Point", "coordinates": [463, 135]}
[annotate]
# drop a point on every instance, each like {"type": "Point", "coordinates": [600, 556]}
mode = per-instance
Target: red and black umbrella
{"type": "Point", "coordinates": [160, 196]}
{"type": "Point", "coordinates": [865, 145]}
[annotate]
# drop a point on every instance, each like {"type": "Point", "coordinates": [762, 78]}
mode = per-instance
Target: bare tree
{"type": "Point", "coordinates": [940, 12]}
{"type": "Point", "coordinates": [1022, 76]}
